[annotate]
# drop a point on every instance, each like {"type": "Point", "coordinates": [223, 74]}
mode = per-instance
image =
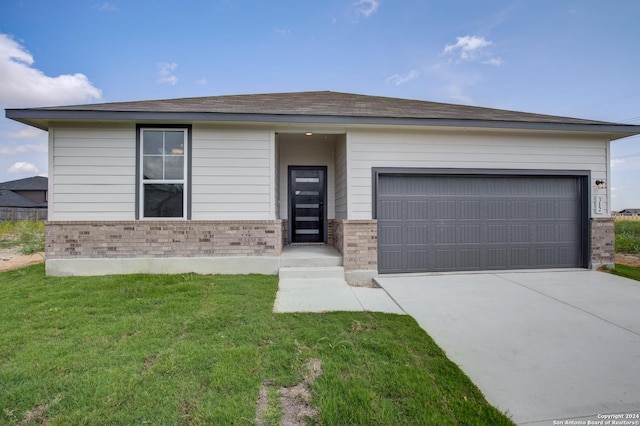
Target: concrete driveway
{"type": "Point", "coordinates": [541, 346]}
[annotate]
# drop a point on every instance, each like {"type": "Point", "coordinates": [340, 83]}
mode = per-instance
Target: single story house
{"type": "Point", "coordinates": [223, 183]}
{"type": "Point", "coordinates": [24, 198]}
{"type": "Point", "coordinates": [33, 189]}
{"type": "Point", "coordinates": [628, 213]}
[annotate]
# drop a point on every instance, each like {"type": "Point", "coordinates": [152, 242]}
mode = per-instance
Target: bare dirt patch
{"type": "Point", "coordinates": [628, 259]}
{"type": "Point", "coordinates": [296, 408]}
{"type": "Point", "coordinates": [10, 259]}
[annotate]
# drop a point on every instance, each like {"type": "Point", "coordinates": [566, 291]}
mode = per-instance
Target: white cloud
{"type": "Point", "coordinates": [283, 32]}
{"type": "Point", "coordinates": [459, 93]}
{"type": "Point", "coordinates": [202, 81]}
{"type": "Point", "coordinates": [366, 7]}
{"type": "Point", "coordinates": [467, 47]}
{"type": "Point", "coordinates": [166, 70]}
{"type": "Point", "coordinates": [20, 149]}
{"type": "Point", "coordinates": [106, 6]}
{"type": "Point", "coordinates": [493, 61]}
{"type": "Point", "coordinates": [22, 85]}
{"type": "Point", "coordinates": [23, 167]}
{"type": "Point", "coordinates": [616, 162]}
{"type": "Point", "coordinates": [28, 133]}
{"type": "Point", "coordinates": [399, 79]}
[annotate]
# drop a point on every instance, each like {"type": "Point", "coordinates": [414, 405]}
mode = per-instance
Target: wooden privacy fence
{"type": "Point", "coordinates": [13, 214]}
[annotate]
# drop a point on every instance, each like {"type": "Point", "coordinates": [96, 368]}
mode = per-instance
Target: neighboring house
{"type": "Point", "coordinates": [33, 189]}
{"type": "Point", "coordinates": [221, 184]}
{"type": "Point", "coordinates": [24, 198]}
{"type": "Point", "coordinates": [629, 213]}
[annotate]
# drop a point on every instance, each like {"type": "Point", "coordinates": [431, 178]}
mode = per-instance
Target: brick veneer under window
{"type": "Point", "coordinates": [130, 239]}
{"type": "Point", "coordinates": [602, 241]}
{"type": "Point", "coordinates": [357, 241]}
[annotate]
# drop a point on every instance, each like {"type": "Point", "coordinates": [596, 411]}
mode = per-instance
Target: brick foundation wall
{"type": "Point", "coordinates": [131, 239]}
{"type": "Point", "coordinates": [357, 241]}
{"type": "Point", "coordinates": [337, 236]}
{"type": "Point", "coordinates": [602, 241]}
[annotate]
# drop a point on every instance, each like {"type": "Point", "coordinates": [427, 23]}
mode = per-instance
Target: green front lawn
{"type": "Point", "coordinates": [626, 271]}
{"type": "Point", "coordinates": [189, 349]}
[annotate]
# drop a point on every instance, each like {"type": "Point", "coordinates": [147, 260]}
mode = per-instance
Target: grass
{"type": "Point", "coordinates": [28, 235]}
{"type": "Point", "coordinates": [627, 240]}
{"type": "Point", "coordinates": [627, 236]}
{"type": "Point", "coordinates": [189, 349]}
{"type": "Point", "coordinates": [626, 271]}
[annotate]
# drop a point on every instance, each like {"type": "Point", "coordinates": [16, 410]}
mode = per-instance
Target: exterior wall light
{"type": "Point", "coordinates": [601, 184]}
{"type": "Point", "coordinates": [309, 133]}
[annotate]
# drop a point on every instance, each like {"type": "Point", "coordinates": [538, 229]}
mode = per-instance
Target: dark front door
{"type": "Point", "coordinates": [307, 201]}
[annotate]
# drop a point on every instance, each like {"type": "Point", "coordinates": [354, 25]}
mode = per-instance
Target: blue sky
{"type": "Point", "coordinates": [563, 57]}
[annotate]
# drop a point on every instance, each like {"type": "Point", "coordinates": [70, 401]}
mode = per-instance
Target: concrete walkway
{"type": "Point", "coordinates": [544, 346]}
{"type": "Point", "coordinates": [328, 295]}
{"type": "Point", "coordinates": [312, 280]}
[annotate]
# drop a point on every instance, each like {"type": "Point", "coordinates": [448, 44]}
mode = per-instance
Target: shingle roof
{"type": "Point", "coordinates": [323, 104]}
{"type": "Point", "coordinates": [36, 183]}
{"type": "Point", "coordinates": [11, 199]}
{"type": "Point", "coordinates": [325, 107]}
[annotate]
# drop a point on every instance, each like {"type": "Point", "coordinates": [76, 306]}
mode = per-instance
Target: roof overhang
{"type": "Point", "coordinates": [41, 118]}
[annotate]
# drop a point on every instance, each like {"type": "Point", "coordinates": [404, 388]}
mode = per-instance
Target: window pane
{"type": "Point", "coordinates": [174, 167]}
{"type": "Point", "coordinates": [152, 141]}
{"type": "Point", "coordinates": [174, 143]}
{"type": "Point", "coordinates": [163, 200]}
{"type": "Point", "coordinates": [152, 167]}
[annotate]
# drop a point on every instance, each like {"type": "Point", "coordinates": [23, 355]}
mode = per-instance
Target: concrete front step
{"type": "Point", "coordinates": [310, 257]}
{"type": "Point", "coordinates": [315, 272]}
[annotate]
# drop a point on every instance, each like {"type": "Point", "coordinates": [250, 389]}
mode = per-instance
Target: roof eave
{"type": "Point", "coordinates": [40, 118]}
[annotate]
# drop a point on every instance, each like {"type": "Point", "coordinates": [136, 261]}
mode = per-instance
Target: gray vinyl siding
{"type": "Point", "coordinates": [469, 149]}
{"type": "Point", "coordinates": [233, 174]}
{"type": "Point", "coordinates": [92, 173]}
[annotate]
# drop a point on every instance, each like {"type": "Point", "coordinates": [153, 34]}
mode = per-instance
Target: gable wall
{"type": "Point", "coordinates": [470, 149]}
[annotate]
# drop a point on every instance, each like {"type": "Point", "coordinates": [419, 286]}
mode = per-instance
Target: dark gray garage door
{"type": "Point", "coordinates": [466, 223]}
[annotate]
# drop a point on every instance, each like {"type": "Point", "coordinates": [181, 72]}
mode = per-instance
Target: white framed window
{"type": "Point", "coordinates": [163, 172]}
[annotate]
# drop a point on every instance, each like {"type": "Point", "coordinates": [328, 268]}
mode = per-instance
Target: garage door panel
{"type": "Point", "coordinates": [545, 209]}
{"type": "Point", "coordinates": [417, 234]}
{"type": "Point", "coordinates": [468, 234]}
{"type": "Point", "coordinates": [519, 209]}
{"type": "Point", "coordinates": [393, 260]}
{"type": "Point", "coordinates": [445, 260]}
{"type": "Point", "coordinates": [469, 259]}
{"type": "Point", "coordinates": [391, 235]}
{"type": "Point", "coordinates": [547, 233]}
{"type": "Point", "coordinates": [468, 210]}
{"type": "Point", "coordinates": [444, 209]}
{"type": "Point", "coordinates": [497, 233]}
{"type": "Point", "coordinates": [415, 258]}
{"type": "Point", "coordinates": [450, 223]}
{"type": "Point", "coordinates": [392, 209]}
{"type": "Point", "coordinates": [497, 209]}
{"type": "Point", "coordinates": [445, 234]}
{"type": "Point", "coordinates": [497, 258]}
{"type": "Point", "coordinates": [417, 209]}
